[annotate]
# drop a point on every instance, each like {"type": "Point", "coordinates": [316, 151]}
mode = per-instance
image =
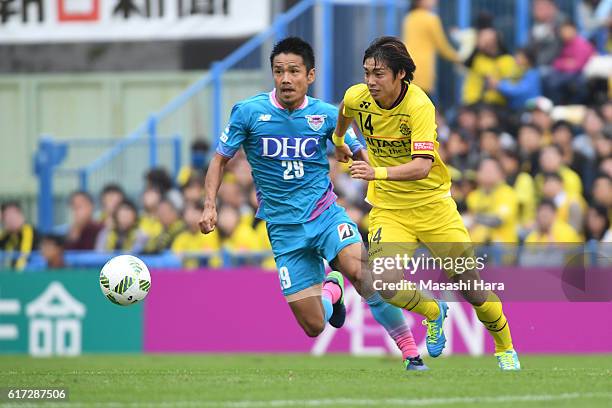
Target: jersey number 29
{"type": "Point", "coordinates": [294, 169]}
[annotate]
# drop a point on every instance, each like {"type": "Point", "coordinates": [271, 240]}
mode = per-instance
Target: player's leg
{"type": "Point", "coordinates": [389, 235]}
{"type": "Point", "coordinates": [340, 243]}
{"type": "Point", "coordinates": [301, 272]}
{"type": "Point", "coordinates": [309, 309]}
{"type": "Point", "coordinates": [449, 238]}
{"type": "Point", "coordinates": [392, 233]}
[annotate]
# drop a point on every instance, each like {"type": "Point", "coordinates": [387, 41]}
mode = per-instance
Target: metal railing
{"type": "Point", "coordinates": [339, 30]}
{"type": "Point", "coordinates": [181, 116]}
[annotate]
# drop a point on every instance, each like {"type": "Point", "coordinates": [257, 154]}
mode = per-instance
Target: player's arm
{"type": "Point", "coordinates": [343, 152]}
{"type": "Point", "coordinates": [417, 169]}
{"type": "Point", "coordinates": [230, 141]}
{"type": "Point", "coordinates": [423, 125]}
{"type": "Point", "coordinates": [214, 175]}
{"type": "Point", "coordinates": [355, 146]}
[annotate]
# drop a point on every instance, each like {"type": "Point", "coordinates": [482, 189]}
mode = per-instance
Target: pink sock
{"type": "Point", "coordinates": [332, 291]}
{"type": "Point", "coordinates": [405, 342]}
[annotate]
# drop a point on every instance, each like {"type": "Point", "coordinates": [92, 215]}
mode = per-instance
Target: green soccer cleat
{"type": "Point", "coordinates": [436, 340]}
{"type": "Point", "coordinates": [339, 314]}
{"type": "Point", "coordinates": [508, 360]}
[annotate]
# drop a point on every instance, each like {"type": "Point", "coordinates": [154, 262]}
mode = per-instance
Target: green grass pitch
{"type": "Point", "coordinates": [253, 381]}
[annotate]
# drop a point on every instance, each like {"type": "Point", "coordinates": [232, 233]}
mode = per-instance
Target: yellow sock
{"type": "Point", "coordinates": [490, 313]}
{"type": "Point", "coordinates": [415, 301]}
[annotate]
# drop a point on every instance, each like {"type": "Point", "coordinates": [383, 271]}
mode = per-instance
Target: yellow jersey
{"type": "Point", "coordinates": [560, 232]}
{"type": "Point", "coordinates": [195, 241]}
{"type": "Point", "coordinates": [501, 202]}
{"type": "Point", "coordinates": [395, 136]}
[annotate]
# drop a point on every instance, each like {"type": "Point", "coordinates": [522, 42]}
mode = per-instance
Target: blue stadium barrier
{"type": "Point", "coordinates": [496, 254]}
{"type": "Point", "coordinates": [52, 153]}
{"type": "Point", "coordinates": [167, 259]}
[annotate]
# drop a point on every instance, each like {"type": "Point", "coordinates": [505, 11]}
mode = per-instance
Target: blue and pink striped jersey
{"type": "Point", "coordinates": [287, 154]}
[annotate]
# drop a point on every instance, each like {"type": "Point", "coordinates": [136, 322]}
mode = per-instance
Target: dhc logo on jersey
{"type": "Point", "coordinates": [289, 148]}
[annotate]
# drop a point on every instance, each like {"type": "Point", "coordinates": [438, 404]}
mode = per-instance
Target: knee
{"type": "Point", "coordinates": [313, 327]}
{"type": "Point", "coordinates": [475, 297]}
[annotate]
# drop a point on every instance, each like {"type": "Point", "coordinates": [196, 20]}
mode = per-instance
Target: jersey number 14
{"type": "Point", "coordinates": [368, 123]}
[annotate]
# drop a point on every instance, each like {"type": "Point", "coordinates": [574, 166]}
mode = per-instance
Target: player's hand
{"type": "Point", "coordinates": [208, 220]}
{"type": "Point", "coordinates": [362, 170]}
{"type": "Point", "coordinates": [362, 155]}
{"type": "Point", "coordinates": [343, 153]}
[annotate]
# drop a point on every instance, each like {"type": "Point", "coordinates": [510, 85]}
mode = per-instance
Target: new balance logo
{"type": "Point", "coordinates": [365, 105]}
{"type": "Point", "coordinates": [265, 118]}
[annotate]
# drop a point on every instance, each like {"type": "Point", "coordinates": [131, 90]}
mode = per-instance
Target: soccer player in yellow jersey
{"type": "Point", "coordinates": [409, 186]}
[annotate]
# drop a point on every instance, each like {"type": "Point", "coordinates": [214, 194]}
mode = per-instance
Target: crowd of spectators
{"type": "Point", "coordinates": [529, 152]}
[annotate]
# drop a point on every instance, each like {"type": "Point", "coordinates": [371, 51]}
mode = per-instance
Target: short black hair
{"type": "Point", "coordinates": [81, 193]}
{"type": "Point", "coordinates": [494, 130]}
{"type": "Point", "coordinates": [511, 153]}
{"type": "Point", "coordinates": [554, 147]}
{"type": "Point", "coordinates": [562, 124]}
{"type": "Point", "coordinates": [297, 46]}
{"type": "Point", "coordinates": [568, 22]}
{"type": "Point", "coordinates": [112, 188]}
{"type": "Point", "coordinates": [198, 205]}
{"type": "Point", "coordinates": [129, 204]}
{"type": "Point", "coordinates": [10, 204]}
{"type": "Point", "coordinates": [200, 145]}
{"type": "Point", "coordinates": [393, 53]}
{"type": "Point", "coordinates": [546, 202]}
{"type": "Point", "coordinates": [529, 54]}
{"type": "Point", "coordinates": [532, 126]}
{"type": "Point", "coordinates": [57, 239]}
{"type": "Point", "coordinates": [159, 178]}
{"type": "Point", "coordinates": [601, 175]}
{"type": "Point", "coordinates": [553, 176]}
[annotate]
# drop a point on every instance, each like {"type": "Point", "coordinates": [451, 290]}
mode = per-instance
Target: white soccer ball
{"type": "Point", "coordinates": [125, 279]}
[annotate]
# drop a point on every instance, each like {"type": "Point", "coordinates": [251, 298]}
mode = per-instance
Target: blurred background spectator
{"type": "Point", "coordinates": [125, 234]}
{"type": "Point", "coordinates": [566, 83]}
{"type": "Point", "coordinates": [490, 60]}
{"type": "Point", "coordinates": [424, 37]}
{"type": "Point", "coordinates": [525, 87]}
{"type": "Point", "coordinates": [492, 215]}
{"type": "Point", "coordinates": [169, 216]}
{"type": "Point", "coordinates": [18, 238]}
{"type": "Point", "coordinates": [83, 230]}
{"type": "Point", "coordinates": [549, 228]}
{"type": "Point", "coordinates": [544, 39]}
{"type": "Point", "coordinates": [52, 249]}
{"type": "Point", "coordinates": [111, 196]}
{"type": "Point", "coordinates": [190, 244]}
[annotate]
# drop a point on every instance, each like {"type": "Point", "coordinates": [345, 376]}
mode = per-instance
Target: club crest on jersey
{"type": "Point", "coordinates": [316, 121]}
{"type": "Point", "coordinates": [345, 232]}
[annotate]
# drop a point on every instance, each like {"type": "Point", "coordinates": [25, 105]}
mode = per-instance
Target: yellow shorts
{"type": "Point", "coordinates": [437, 225]}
